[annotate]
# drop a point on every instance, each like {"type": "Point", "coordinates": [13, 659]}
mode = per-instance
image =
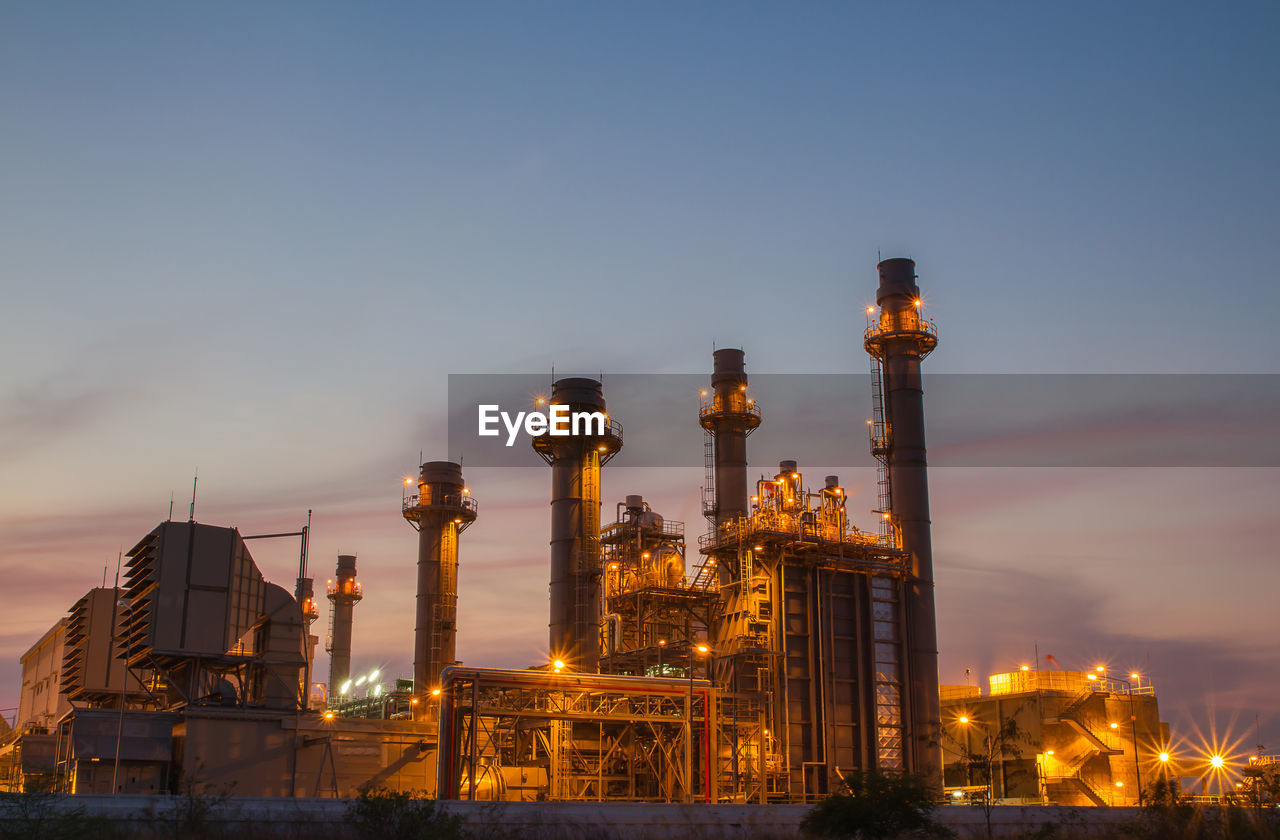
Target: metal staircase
{"type": "Point", "coordinates": [1077, 783]}
{"type": "Point", "coordinates": [1069, 715]}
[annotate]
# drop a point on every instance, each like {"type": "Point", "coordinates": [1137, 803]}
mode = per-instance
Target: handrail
{"type": "Point", "coordinates": [706, 408]}
{"type": "Point", "coordinates": [463, 501]}
{"type": "Point", "coordinates": [669, 527]}
{"type": "Point", "coordinates": [923, 325]}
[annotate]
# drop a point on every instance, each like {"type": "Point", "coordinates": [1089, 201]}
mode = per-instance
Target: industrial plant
{"type": "Point", "coordinates": [760, 663]}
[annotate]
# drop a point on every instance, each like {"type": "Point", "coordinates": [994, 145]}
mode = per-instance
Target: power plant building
{"type": "Point", "coordinates": [788, 648]}
{"type": "Point", "coordinates": [809, 646]}
{"type": "Point", "coordinates": [1055, 737]}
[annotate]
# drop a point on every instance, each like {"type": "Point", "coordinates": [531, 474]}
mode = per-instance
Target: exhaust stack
{"type": "Point", "coordinates": [729, 416]}
{"type": "Point", "coordinates": [440, 511]}
{"type": "Point", "coordinates": [575, 461]}
{"type": "Point", "coordinates": [899, 340]}
{"type": "Point", "coordinates": [344, 593]}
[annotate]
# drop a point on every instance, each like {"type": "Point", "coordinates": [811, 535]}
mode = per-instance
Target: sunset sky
{"type": "Point", "coordinates": [254, 240]}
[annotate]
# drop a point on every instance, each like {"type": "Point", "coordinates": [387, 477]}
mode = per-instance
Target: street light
{"type": "Point", "coordinates": [701, 649]}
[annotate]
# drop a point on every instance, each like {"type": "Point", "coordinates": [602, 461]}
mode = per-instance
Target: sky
{"type": "Point", "coordinates": [255, 240]}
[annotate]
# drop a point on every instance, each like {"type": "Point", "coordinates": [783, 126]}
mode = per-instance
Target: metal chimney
{"type": "Point", "coordinates": [344, 592]}
{"type": "Point", "coordinates": [729, 415]}
{"type": "Point", "coordinates": [575, 462]}
{"type": "Point", "coordinates": [899, 340]}
{"type": "Point", "coordinates": [440, 511]}
{"type": "Point", "coordinates": [305, 594]}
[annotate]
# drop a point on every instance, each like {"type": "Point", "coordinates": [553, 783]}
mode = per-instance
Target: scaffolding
{"type": "Point", "coordinates": [535, 735]}
{"type": "Point", "coordinates": [653, 612]}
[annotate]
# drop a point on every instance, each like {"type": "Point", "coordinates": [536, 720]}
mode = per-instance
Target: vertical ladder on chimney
{"type": "Point", "coordinates": [446, 608]}
{"type": "Point", "coordinates": [589, 552]}
{"type": "Point", "coordinates": [328, 639]}
{"type": "Point", "coordinates": [880, 433]}
{"type": "Point", "coordinates": [709, 481]}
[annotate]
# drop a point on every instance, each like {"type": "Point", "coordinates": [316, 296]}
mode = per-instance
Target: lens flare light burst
{"type": "Point", "coordinates": [1215, 759]}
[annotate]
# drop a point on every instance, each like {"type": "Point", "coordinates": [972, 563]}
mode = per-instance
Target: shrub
{"type": "Point", "coordinates": [876, 805]}
{"type": "Point", "coordinates": [381, 814]}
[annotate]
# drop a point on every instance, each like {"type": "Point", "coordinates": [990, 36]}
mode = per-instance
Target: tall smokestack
{"type": "Point", "coordinates": [575, 462]}
{"type": "Point", "coordinates": [441, 510]}
{"type": "Point", "coordinates": [900, 340]}
{"type": "Point", "coordinates": [729, 415]}
{"type": "Point", "coordinates": [344, 593]}
{"type": "Point", "coordinates": [305, 593]}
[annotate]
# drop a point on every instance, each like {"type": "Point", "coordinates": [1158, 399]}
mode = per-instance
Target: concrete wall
{"type": "Point", "coordinates": [622, 821]}
{"type": "Point", "coordinates": [254, 755]}
{"type": "Point", "coordinates": [41, 701]}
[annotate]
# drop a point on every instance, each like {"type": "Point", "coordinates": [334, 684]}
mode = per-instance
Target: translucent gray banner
{"type": "Point", "coordinates": [972, 420]}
